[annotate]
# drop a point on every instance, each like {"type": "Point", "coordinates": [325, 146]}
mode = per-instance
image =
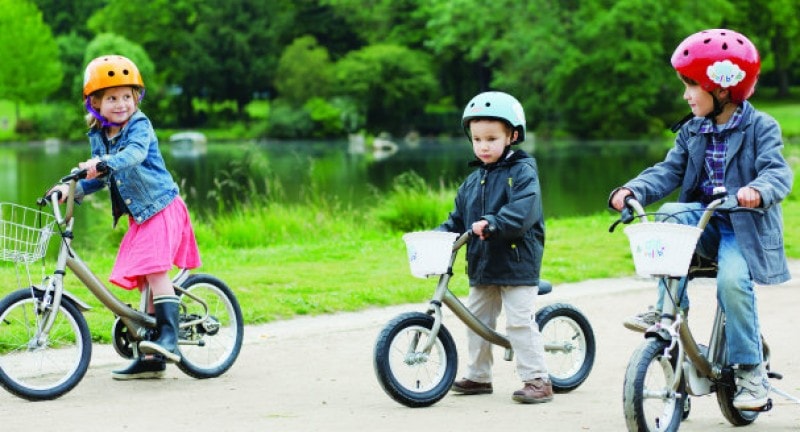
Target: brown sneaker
{"type": "Point", "coordinates": [469, 387]}
{"type": "Point", "coordinates": [536, 391]}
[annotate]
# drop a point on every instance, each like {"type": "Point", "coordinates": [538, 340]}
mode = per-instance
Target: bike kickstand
{"type": "Point", "coordinates": [784, 394]}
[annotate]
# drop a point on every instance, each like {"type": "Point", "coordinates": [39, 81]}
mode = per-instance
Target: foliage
{"type": "Point", "coordinates": [393, 83]}
{"type": "Point", "coordinates": [595, 68]}
{"type": "Point", "coordinates": [303, 71]}
{"type": "Point", "coordinates": [413, 206]}
{"type": "Point", "coordinates": [30, 69]}
{"type": "Point", "coordinates": [327, 118]}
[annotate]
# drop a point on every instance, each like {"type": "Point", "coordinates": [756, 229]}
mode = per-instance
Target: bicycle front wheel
{"type": "Point", "coordinates": [648, 399]}
{"type": "Point", "coordinates": [209, 348]}
{"type": "Point", "coordinates": [413, 377]}
{"type": "Point", "coordinates": [569, 345]}
{"type": "Point", "coordinates": [35, 366]}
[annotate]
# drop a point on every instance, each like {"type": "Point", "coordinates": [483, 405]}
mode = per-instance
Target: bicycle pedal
{"type": "Point", "coordinates": [767, 406]}
{"type": "Point", "coordinates": [775, 375]}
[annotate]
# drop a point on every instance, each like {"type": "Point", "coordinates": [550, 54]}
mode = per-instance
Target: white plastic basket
{"type": "Point", "coordinates": [662, 249]}
{"type": "Point", "coordinates": [24, 233]}
{"type": "Point", "coordinates": [429, 252]}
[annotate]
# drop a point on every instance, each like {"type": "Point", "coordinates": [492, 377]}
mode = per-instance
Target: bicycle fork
{"type": "Point", "coordinates": [443, 295]}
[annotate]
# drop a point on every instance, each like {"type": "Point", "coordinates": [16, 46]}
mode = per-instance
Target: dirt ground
{"type": "Point", "coordinates": [316, 374]}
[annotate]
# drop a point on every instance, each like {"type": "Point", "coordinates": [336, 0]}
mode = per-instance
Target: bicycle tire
{"type": "Point", "coordinates": [644, 411]}
{"type": "Point", "coordinates": [410, 377]}
{"type": "Point", "coordinates": [45, 370]}
{"type": "Point", "coordinates": [565, 326]}
{"type": "Point", "coordinates": [210, 348]}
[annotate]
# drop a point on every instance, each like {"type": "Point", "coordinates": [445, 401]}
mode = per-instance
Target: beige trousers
{"type": "Point", "coordinates": [486, 302]}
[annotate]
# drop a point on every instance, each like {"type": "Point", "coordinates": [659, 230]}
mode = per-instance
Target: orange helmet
{"type": "Point", "coordinates": [110, 71]}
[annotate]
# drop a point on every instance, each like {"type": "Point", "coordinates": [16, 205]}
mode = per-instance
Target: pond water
{"type": "Point", "coordinates": [576, 176]}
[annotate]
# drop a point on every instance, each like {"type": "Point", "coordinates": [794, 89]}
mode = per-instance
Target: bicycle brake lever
{"type": "Point", "coordinates": [625, 216]}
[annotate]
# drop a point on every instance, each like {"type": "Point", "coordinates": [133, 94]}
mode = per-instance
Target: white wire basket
{"type": "Point", "coordinates": [662, 249]}
{"type": "Point", "coordinates": [24, 233]}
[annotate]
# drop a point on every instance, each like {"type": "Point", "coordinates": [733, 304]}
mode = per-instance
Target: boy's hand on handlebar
{"type": "Point", "coordinates": [91, 168]}
{"type": "Point", "coordinates": [618, 200]}
{"type": "Point", "coordinates": [480, 228]}
{"type": "Point", "coordinates": [748, 197]}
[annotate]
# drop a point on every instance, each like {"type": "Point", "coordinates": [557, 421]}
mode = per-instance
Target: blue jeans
{"type": "Point", "coordinates": [735, 289]}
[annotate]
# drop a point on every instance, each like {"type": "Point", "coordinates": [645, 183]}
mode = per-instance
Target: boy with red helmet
{"type": "Point", "coordinates": [725, 142]}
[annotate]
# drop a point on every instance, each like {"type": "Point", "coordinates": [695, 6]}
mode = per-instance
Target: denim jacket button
{"type": "Point", "coordinates": [128, 201]}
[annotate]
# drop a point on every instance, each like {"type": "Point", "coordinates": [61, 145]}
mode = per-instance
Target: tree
{"type": "Point", "coordinates": [391, 84]}
{"type": "Point", "coordinates": [30, 70]}
{"type": "Point", "coordinates": [303, 71]}
{"type": "Point", "coordinates": [774, 27]}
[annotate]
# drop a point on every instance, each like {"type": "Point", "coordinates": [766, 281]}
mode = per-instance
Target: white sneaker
{"type": "Point", "coordinates": [643, 320]}
{"type": "Point", "coordinates": [752, 388]}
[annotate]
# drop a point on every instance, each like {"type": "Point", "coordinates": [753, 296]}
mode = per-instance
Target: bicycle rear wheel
{"type": "Point", "coordinates": [209, 348]}
{"type": "Point", "coordinates": [36, 368]}
{"type": "Point", "coordinates": [569, 345]}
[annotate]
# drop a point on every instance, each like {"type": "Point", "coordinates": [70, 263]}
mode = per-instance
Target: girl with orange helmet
{"type": "Point", "coordinates": [160, 233]}
{"type": "Point", "coordinates": [725, 143]}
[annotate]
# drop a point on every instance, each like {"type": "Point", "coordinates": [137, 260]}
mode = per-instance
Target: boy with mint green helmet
{"type": "Point", "coordinates": [500, 203]}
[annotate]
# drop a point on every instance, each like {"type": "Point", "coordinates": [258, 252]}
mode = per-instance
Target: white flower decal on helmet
{"type": "Point", "coordinates": [725, 73]}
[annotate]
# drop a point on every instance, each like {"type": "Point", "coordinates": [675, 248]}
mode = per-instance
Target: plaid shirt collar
{"type": "Point", "coordinates": [708, 125]}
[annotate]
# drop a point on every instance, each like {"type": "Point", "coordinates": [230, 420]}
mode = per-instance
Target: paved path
{"type": "Point", "coordinates": [315, 374]}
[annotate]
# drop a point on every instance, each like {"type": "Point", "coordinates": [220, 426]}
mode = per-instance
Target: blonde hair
{"type": "Point", "coordinates": [94, 99]}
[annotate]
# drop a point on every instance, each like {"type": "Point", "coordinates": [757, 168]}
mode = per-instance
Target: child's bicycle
{"type": "Point", "coordinates": [670, 365]}
{"type": "Point", "coordinates": [45, 344]}
{"type": "Point", "coordinates": [416, 360]}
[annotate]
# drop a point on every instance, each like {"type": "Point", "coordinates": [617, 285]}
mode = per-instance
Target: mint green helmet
{"type": "Point", "coordinates": [497, 105]}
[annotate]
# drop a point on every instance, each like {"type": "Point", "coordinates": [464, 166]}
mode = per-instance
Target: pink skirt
{"type": "Point", "coordinates": [161, 242]}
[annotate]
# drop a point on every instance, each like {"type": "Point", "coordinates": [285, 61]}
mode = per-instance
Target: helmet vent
{"type": "Point", "coordinates": [685, 52]}
{"type": "Point", "coordinates": [707, 40]}
{"type": "Point", "coordinates": [725, 46]}
{"type": "Point", "coordinates": [111, 73]}
{"type": "Point", "coordinates": [488, 104]}
{"type": "Point", "coordinates": [125, 71]}
{"type": "Point", "coordinates": [741, 42]}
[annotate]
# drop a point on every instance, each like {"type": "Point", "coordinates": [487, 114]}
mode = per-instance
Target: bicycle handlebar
{"type": "Point", "coordinates": [72, 179]}
{"type": "Point", "coordinates": [722, 203]}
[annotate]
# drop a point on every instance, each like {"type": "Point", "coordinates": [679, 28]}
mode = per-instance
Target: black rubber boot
{"type": "Point", "coordinates": [150, 368]}
{"type": "Point", "coordinates": [166, 308]}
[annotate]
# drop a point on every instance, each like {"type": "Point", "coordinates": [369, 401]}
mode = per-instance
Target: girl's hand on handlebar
{"type": "Point", "coordinates": [61, 189]}
{"type": "Point", "coordinates": [91, 168]}
{"type": "Point", "coordinates": [748, 197]}
{"type": "Point", "coordinates": [618, 200]}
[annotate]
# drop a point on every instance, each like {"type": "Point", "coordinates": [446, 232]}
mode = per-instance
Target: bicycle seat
{"type": "Point", "coordinates": [545, 287]}
{"type": "Point", "coordinates": [702, 267]}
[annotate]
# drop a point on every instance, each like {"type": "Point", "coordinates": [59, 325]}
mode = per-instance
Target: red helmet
{"type": "Point", "coordinates": [719, 58]}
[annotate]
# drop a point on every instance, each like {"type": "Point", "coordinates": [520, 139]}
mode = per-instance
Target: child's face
{"type": "Point", "coordinates": [700, 101]}
{"type": "Point", "coordinates": [117, 104]}
{"type": "Point", "coordinates": [489, 139]}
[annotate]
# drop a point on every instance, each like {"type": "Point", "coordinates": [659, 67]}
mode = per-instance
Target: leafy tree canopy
{"type": "Point", "coordinates": [31, 69]}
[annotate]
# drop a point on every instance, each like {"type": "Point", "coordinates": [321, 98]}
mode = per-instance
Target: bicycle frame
{"type": "Point", "coordinates": [708, 365]}
{"type": "Point", "coordinates": [136, 321]}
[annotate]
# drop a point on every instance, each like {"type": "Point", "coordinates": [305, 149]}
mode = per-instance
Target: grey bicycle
{"type": "Point", "coordinates": [670, 365]}
{"type": "Point", "coordinates": [416, 360]}
{"type": "Point", "coordinates": [45, 342]}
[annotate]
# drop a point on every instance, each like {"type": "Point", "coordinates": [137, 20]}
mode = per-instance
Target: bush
{"type": "Point", "coordinates": [413, 205]}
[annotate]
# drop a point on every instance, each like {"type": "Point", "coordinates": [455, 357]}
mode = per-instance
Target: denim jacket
{"type": "Point", "coordinates": [753, 159]}
{"type": "Point", "coordinates": [137, 168]}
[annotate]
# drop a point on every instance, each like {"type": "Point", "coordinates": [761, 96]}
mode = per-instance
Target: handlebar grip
{"type": "Point", "coordinates": [45, 199]}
